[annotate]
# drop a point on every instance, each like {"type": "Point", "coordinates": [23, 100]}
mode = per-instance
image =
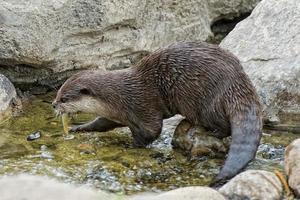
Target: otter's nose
{"type": "Point", "coordinates": [54, 104]}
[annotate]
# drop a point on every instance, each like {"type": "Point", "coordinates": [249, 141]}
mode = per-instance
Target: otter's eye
{"type": "Point", "coordinates": [63, 99]}
{"type": "Point", "coordinates": [85, 91]}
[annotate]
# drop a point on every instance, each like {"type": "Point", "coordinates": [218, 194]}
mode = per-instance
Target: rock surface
{"type": "Point", "coordinates": [186, 193]}
{"type": "Point", "coordinates": [41, 42]}
{"type": "Point", "coordinates": [268, 45]}
{"type": "Point", "coordinates": [292, 165]}
{"type": "Point", "coordinates": [7, 95]}
{"type": "Point", "coordinates": [195, 141]}
{"type": "Point", "coordinates": [28, 187]}
{"type": "Point", "coordinates": [253, 184]}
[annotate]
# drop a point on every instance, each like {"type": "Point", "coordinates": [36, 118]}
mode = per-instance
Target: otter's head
{"type": "Point", "coordinates": [77, 95]}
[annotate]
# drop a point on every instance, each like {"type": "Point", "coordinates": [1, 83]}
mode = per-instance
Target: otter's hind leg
{"type": "Point", "coordinates": [99, 124]}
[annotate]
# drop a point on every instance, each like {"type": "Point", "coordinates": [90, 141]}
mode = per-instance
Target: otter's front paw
{"type": "Point", "coordinates": [137, 144]}
{"type": "Point", "coordinates": [77, 128]}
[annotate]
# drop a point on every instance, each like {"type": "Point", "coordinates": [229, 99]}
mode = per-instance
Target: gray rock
{"type": "Point", "coordinates": [253, 184]}
{"type": "Point", "coordinates": [268, 45]}
{"type": "Point", "coordinates": [186, 193]}
{"type": "Point", "coordinates": [7, 94]}
{"type": "Point", "coordinates": [292, 165]}
{"type": "Point", "coordinates": [41, 39]}
{"type": "Point", "coordinates": [28, 187]}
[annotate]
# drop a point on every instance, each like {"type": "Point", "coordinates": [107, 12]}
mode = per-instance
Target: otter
{"type": "Point", "coordinates": [202, 82]}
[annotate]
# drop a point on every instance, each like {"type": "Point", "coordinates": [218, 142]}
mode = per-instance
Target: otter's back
{"type": "Point", "coordinates": [198, 80]}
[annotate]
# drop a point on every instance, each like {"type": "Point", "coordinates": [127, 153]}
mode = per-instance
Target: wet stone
{"type": "Point", "coordinates": [197, 142]}
{"type": "Point", "coordinates": [103, 178]}
{"type": "Point", "coordinates": [69, 137]}
{"type": "Point", "coordinates": [269, 151]}
{"type": "Point", "coordinates": [34, 136]}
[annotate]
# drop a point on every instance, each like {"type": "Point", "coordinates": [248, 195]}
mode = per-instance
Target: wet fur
{"type": "Point", "coordinates": [200, 81]}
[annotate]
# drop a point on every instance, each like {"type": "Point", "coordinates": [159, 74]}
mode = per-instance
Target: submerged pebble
{"type": "Point", "coordinates": [197, 142]}
{"type": "Point", "coordinates": [69, 137]}
{"type": "Point", "coordinates": [46, 155]}
{"type": "Point", "coordinates": [269, 151]}
{"type": "Point", "coordinates": [34, 136]}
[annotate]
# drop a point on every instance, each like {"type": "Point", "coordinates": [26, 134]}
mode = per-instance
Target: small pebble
{"type": "Point", "coordinates": [46, 155]}
{"type": "Point", "coordinates": [34, 136]}
{"type": "Point", "coordinates": [44, 147]}
{"type": "Point", "coordinates": [69, 137]}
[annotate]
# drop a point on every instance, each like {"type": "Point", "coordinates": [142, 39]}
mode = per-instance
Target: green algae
{"type": "Point", "coordinates": [108, 160]}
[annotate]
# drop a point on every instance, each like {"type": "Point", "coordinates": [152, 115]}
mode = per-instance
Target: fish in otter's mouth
{"type": "Point", "coordinates": [64, 117]}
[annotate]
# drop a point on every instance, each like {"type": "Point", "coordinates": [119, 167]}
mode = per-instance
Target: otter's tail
{"type": "Point", "coordinates": [246, 131]}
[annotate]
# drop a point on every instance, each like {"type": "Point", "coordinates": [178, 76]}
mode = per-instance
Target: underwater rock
{"type": "Point", "coordinates": [195, 141]}
{"type": "Point", "coordinates": [69, 136]}
{"type": "Point", "coordinates": [185, 193]}
{"type": "Point", "coordinates": [268, 46]}
{"type": "Point", "coordinates": [253, 184]}
{"type": "Point", "coordinates": [37, 188]}
{"type": "Point", "coordinates": [292, 165]}
{"type": "Point", "coordinates": [270, 152]}
{"type": "Point", "coordinates": [46, 41]}
{"type": "Point", "coordinates": [34, 136]}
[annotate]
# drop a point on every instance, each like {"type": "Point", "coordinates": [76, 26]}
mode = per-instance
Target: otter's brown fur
{"type": "Point", "coordinates": [205, 84]}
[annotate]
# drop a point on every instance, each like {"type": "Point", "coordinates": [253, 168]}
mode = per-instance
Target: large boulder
{"type": "Point", "coordinates": [44, 41]}
{"type": "Point", "coordinates": [268, 45]}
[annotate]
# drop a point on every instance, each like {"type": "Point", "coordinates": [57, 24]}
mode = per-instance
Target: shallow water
{"type": "Point", "coordinates": [108, 160]}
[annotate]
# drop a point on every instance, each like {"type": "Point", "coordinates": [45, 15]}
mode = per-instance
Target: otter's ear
{"type": "Point", "coordinates": [85, 91]}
